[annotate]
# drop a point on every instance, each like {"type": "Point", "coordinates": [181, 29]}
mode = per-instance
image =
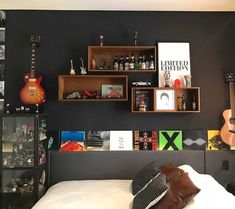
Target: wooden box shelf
{"type": "Point", "coordinates": [97, 55]}
{"type": "Point", "coordinates": [90, 83]}
{"type": "Point", "coordinates": [149, 96]}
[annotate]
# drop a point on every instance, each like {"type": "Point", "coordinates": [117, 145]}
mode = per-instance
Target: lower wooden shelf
{"type": "Point", "coordinates": [165, 100]}
{"type": "Point", "coordinates": [92, 88]}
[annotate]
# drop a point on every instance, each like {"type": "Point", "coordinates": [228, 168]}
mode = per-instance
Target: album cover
{"type": "Point", "coordinates": [121, 140]}
{"type": "Point", "coordinates": [215, 142]}
{"type": "Point", "coordinates": [194, 139]}
{"type": "Point", "coordinates": [170, 140]}
{"type": "Point", "coordinates": [145, 140]}
{"type": "Point", "coordinates": [97, 140]}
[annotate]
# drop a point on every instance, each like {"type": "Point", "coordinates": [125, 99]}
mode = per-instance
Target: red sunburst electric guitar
{"type": "Point", "coordinates": [228, 130]}
{"type": "Point", "coordinates": [32, 92]}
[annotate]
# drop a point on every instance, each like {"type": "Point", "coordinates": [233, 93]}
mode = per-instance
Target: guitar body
{"type": "Point", "coordinates": [32, 92]}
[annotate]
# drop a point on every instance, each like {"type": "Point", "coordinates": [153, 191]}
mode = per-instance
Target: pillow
{"type": "Point", "coordinates": [170, 171]}
{"type": "Point", "coordinates": [181, 191]}
{"type": "Point", "coordinates": [144, 176]}
{"type": "Point", "coordinates": [151, 193]}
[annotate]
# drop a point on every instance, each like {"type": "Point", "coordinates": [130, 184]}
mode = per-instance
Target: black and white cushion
{"type": "Point", "coordinates": [144, 176]}
{"type": "Point", "coordinates": [151, 193]}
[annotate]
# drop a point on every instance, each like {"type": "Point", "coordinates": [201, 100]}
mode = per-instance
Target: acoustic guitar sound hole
{"type": "Point", "coordinates": [232, 121]}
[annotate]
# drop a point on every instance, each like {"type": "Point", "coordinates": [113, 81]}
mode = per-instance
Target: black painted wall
{"type": "Point", "coordinates": [66, 35]}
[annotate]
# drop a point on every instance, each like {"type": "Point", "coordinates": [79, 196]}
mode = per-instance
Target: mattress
{"type": "Point", "coordinates": [116, 194]}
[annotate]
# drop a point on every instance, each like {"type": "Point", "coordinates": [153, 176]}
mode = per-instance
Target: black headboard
{"type": "Point", "coordinates": [65, 166]}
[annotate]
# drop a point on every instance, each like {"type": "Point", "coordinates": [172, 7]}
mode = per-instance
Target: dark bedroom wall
{"type": "Point", "coordinates": [66, 35]}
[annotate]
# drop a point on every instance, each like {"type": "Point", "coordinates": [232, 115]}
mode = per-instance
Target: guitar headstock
{"type": "Point", "coordinates": [229, 77]}
{"type": "Point", "coordinates": [35, 39]}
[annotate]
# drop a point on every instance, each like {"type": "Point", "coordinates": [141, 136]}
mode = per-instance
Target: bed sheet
{"type": "Point", "coordinates": [116, 194]}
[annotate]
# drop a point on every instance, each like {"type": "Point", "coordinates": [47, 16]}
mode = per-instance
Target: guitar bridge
{"type": "Point", "coordinates": [232, 131]}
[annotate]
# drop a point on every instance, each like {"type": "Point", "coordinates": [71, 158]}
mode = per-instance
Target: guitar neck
{"type": "Point", "coordinates": [232, 98]}
{"type": "Point", "coordinates": [33, 61]}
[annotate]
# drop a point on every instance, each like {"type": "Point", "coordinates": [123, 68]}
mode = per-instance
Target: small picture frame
{"type": "Point", "coordinates": [112, 91]}
{"type": "Point", "coordinates": [2, 68]}
{"type": "Point", "coordinates": [165, 99]}
{"type": "Point", "coordinates": [2, 18]}
{"type": "Point", "coordinates": [2, 34]}
{"type": "Point", "coordinates": [2, 89]}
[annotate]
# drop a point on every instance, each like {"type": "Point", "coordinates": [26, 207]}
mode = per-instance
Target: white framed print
{"type": "Point", "coordinates": [173, 63]}
{"type": "Point", "coordinates": [121, 140]}
{"type": "Point", "coordinates": [165, 99]}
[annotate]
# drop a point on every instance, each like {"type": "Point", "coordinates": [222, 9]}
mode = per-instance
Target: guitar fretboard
{"type": "Point", "coordinates": [33, 61]}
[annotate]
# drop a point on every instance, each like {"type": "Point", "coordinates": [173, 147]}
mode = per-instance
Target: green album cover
{"type": "Point", "coordinates": [170, 140]}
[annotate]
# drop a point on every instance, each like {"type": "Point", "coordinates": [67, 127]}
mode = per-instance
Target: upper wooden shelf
{"type": "Point", "coordinates": [100, 58]}
{"type": "Point", "coordinates": [92, 88]}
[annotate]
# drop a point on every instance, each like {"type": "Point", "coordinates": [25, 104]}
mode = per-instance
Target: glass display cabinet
{"type": "Point", "coordinates": [23, 157]}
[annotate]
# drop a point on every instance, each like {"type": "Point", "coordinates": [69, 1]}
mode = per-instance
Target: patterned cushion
{"type": "Point", "coordinates": [151, 193]}
{"type": "Point", "coordinates": [181, 191]}
{"type": "Point", "coordinates": [144, 176]}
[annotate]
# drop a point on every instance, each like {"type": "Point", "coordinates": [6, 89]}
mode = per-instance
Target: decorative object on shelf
{"type": "Point", "coordinates": [91, 94]}
{"type": "Point", "coordinates": [142, 107]}
{"type": "Point", "coordinates": [175, 58]}
{"type": "Point", "coordinates": [2, 89]}
{"type": "Point", "coordinates": [194, 139]}
{"type": "Point", "coordinates": [228, 130]}
{"type": "Point", "coordinates": [165, 99]}
{"type": "Point", "coordinates": [112, 91]}
{"type": "Point", "coordinates": [2, 52]}
{"type": "Point", "coordinates": [135, 38]}
{"type": "Point", "coordinates": [73, 95]}
{"type": "Point", "coordinates": [215, 142]}
{"type": "Point", "coordinates": [141, 83]}
{"type": "Point", "coordinates": [72, 70]}
{"type": "Point", "coordinates": [170, 140]}
{"type": "Point", "coordinates": [32, 92]}
{"type": "Point", "coordinates": [194, 103]}
{"type": "Point", "coordinates": [167, 76]}
{"type": "Point", "coordinates": [83, 69]}
{"type": "Point", "coordinates": [188, 79]}
{"type": "Point", "coordinates": [101, 40]}
{"type": "Point", "coordinates": [2, 34]}
{"type": "Point", "coordinates": [177, 83]}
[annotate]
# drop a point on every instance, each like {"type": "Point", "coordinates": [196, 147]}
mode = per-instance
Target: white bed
{"type": "Point", "coordinates": [115, 194]}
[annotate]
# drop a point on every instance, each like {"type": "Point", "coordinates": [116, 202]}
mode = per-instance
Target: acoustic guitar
{"type": "Point", "coordinates": [32, 92]}
{"type": "Point", "coordinates": [228, 130]}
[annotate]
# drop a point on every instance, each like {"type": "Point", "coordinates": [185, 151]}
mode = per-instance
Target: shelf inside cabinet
{"type": "Point", "coordinates": [93, 88]}
{"type": "Point", "coordinates": [101, 58]}
{"type": "Point", "coordinates": [152, 99]}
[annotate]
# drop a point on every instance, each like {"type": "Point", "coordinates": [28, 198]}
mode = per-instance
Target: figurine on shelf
{"type": "Point", "coordinates": [72, 70]}
{"type": "Point", "coordinates": [93, 64]}
{"type": "Point", "coordinates": [101, 40]}
{"type": "Point", "coordinates": [142, 107]}
{"type": "Point", "coordinates": [83, 69]}
{"type": "Point", "coordinates": [167, 76]}
{"type": "Point", "coordinates": [135, 38]}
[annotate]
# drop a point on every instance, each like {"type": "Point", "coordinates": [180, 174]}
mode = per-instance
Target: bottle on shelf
{"type": "Point", "coordinates": [121, 63]}
{"type": "Point", "coordinates": [151, 63]}
{"type": "Point", "coordinates": [143, 64]}
{"type": "Point", "coordinates": [194, 104]}
{"type": "Point", "coordinates": [147, 63]}
{"type": "Point", "coordinates": [115, 63]}
{"type": "Point", "coordinates": [127, 63]}
{"type": "Point", "coordinates": [132, 63]}
{"type": "Point", "coordinates": [140, 63]}
{"type": "Point", "coordinates": [136, 65]}
{"type": "Point", "coordinates": [183, 103]}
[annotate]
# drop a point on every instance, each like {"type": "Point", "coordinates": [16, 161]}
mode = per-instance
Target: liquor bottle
{"type": "Point", "coordinates": [143, 64]}
{"type": "Point", "coordinates": [136, 65]}
{"type": "Point", "coordinates": [132, 63]}
{"type": "Point", "coordinates": [147, 63]}
{"type": "Point", "coordinates": [151, 63]}
{"type": "Point", "coordinates": [194, 104]}
{"type": "Point", "coordinates": [115, 63]}
{"type": "Point", "coordinates": [121, 63]}
{"type": "Point", "coordinates": [127, 63]}
{"type": "Point", "coordinates": [183, 103]}
{"type": "Point", "coordinates": [140, 63]}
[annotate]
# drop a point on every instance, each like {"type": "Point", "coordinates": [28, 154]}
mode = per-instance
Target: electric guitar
{"type": "Point", "coordinates": [32, 92]}
{"type": "Point", "coordinates": [228, 130]}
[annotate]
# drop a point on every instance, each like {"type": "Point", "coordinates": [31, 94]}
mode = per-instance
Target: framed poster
{"type": "Point", "coordinates": [112, 91]}
{"type": "Point", "coordinates": [173, 63]}
{"type": "Point", "coordinates": [121, 140]}
{"type": "Point", "coordinates": [165, 99]}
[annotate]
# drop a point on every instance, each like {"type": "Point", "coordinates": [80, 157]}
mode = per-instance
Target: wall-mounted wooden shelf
{"type": "Point", "coordinates": [79, 86]}
{"type": "Point", "coordinates": [149, 98]}
{"type": "Point", "coordinates": [97, 55]}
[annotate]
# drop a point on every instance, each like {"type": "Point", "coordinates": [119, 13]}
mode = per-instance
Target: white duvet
{"type": "Point", "coordinates": [115, 194]}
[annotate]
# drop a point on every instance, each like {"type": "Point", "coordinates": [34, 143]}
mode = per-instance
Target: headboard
{"type": "Point", "coordinates": [92, 165]}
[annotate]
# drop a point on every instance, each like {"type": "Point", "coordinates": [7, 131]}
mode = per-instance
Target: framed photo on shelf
{"type": "Point", "coordinates": [2, 34]}
{"type": "Point", "coordinates": [2, 52]}
{"type": "Point", "coordinates": [112, 91]}
{"type": "Point", "coordinates": [165, 99]}
{"type": "Point", "coordinates": [142, 96]}
{"type": "Point", "coordinates": [2, 18]}
{"type": "Point", "coordinates": [173, 63]}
